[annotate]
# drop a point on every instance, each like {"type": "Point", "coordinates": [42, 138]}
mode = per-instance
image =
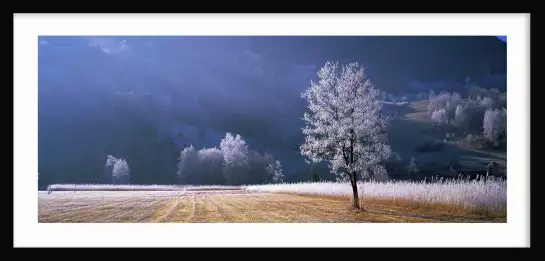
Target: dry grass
{"type": "Point", "coordinates": [435, 210]}
{"type": "Point", "coordinates": [231, 207]}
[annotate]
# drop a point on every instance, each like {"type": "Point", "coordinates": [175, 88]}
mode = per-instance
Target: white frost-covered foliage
{"type": "Point", "coordinates": [446, 101]}
{"type": "Point", "coordinates": [469, 116]}
{"type": "Point", "coordinates": [440, 116]}
{"type": "Point", "coordinates": [494, 124]}
{"type": "Point", "coordinates": [460, 116]}
{"type": "Point", "coordinates": [344, 125]}
{"type": "Point", "coordinates": [487, 103]}
{"type": "Point", "coordinates": [276, 172]}
{"type": "Point", "coordinates": [117, 169]}
{"type": "Point", "coordinates": [235, 156]}
{"type": "Point", "coordinates": [188, 165]}
{"type": "Point", "coordinates": [210, 166]}
{"type": "Point", "coordinates": [232, 163]}
{"type": "Point", "coordinates": [477, 93]}
{"type": "Point", "coordinates": [437, 102]}
{"type": "Point", "coordinates": [121, 171]}
{"type": "Point", "coordinates": [110, 161]}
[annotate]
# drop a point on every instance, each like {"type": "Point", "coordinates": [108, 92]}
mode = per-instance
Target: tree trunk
{"type": "Point", "coordinates": [356, 200]}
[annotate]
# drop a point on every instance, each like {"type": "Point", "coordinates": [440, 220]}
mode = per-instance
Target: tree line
{"type": "Point", "coordinates": [232, 163]}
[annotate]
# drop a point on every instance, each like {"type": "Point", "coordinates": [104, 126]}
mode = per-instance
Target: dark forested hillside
{"type": "Point", "coordinates": [145, 98]}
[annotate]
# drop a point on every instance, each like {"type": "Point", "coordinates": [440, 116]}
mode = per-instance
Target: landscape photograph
{"type": "Point", "coordinates": [272, 129]}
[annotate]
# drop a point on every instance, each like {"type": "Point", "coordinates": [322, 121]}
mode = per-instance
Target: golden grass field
{"type": "Point", "coordinates": [237, 206]}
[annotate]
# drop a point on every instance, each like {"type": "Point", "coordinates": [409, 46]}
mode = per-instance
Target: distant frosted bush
{"type": "Point", "coordinates": [277, 172]}
{"type": "Point", "coordinates": [476, 92]}
{"type": "Point", "coordinates": [440, 116]}
{"type": "Point", "coordinates": [121, 171]}
{"type": "Point", "coordinates": [495, 124]}
{"type": "Point", "coordinates": [460, 116]}
{"type": "Point", "coordinates": [487, 103]}
{"type": "Point", "coordinates": [117, 170]}
{"type": "Point", "coordinates": [469, 116]}
{"type": "Point", "coordinates": [437, 102]}
{"type": "Point", "coordinates": [445, 101]}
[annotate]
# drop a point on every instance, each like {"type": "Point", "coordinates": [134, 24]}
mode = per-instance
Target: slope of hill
{"type": "Point", "coordinates": [412, 129]}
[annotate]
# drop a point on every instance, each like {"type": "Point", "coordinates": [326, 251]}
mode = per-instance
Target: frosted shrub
{"type": "Point", "coordinates": [117, 170]}
{"type": "Point", "coordinates": [438, 102]}
{"type": "Point", "coordinates": [460, 117]}
{"type": "Point", "coordinates": [440, 116]}
{"type": "Point", "coordinates": [469, 116]}
{"type": "Point", "coordinates": [445, 101]}
{"type": "Point", "coordinates": [494, 124]}
{"type": "Point", "coordinates": [450, 106]}
{"type": "Point", "coordinates": [277, 173]}
{"type": "Point", "coordinates": [487, 103]}
{"type": "Point", "coordinates": [121, 171]}
{"type": "Point", "coordinates": [110, 161]}
{"type": "Point", "coordinates": [476, 93]}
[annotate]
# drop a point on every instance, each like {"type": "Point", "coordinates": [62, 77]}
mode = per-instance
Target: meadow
{"type": "Point", "coordinates": [315, 202]}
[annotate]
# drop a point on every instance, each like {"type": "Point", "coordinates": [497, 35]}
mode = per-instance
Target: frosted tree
{"type": "Point", "coordinates": [344, 126]}
{"type": "Point", "coordinates": [278, 175]}
{"type": "Point", "coordinates": [487, 103]}
{"type": "Point", "coordinates": [460, 116]}
{"type": "Point", "coordinates": [451, 105]}
{"type": "Point", "coordinates": [494, 124]}
{"type": "Point", "coordinates": [440, 116]}
{"type": "Point", "coordinates": [438, 102]}
{"type": "Point", "coordinates": [121, 172]}
{"type": "Point", "coordinates": [210, 166]}
{"type": "Point", "coordinates": [109, 166]}
{"type": "Point", "coordinates": [110, 161]}
{"type": "Point", "coordinates": [188, 166]}
{"type": "Point", "coordinates": [235, 155]}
